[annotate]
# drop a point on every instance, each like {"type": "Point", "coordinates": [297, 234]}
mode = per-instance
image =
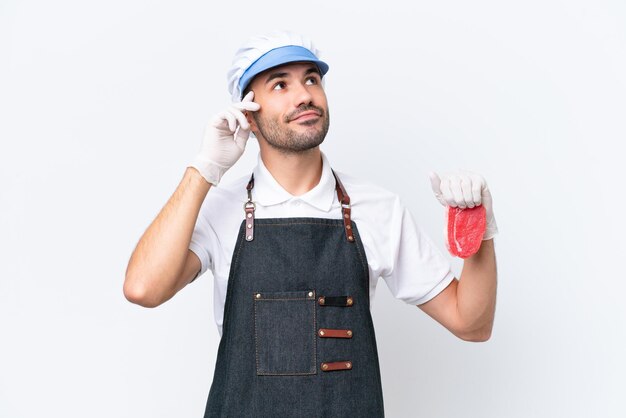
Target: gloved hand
{"type": "Point", "coordinates": [465, 189]}
{"type": "Point", "coordinates": [225, 138]}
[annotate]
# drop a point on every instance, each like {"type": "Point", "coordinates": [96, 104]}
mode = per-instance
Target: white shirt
{"type": "Point", "coordinates": [396, 249]}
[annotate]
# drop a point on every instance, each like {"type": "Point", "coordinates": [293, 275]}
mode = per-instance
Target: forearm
{"type": "Point", "coordinates": [159, 258]}
{"type": "Point", "coordinates": [476, 292]}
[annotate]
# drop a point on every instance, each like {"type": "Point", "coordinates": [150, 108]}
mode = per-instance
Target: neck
{"type": "Point", "coordinates": [296, 173]}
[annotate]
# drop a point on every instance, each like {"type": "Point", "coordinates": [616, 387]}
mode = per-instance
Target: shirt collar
{"type": "Point", "coordinates": [268, 192]}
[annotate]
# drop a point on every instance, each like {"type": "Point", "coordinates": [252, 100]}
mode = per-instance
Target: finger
{"type": "Point", "coordinates": [487, 201]}
{"type": "Point", "coordinates": [243, 122]}
{"type": "Point", "coordinates": [241, 139]}
{"type": "Point", "coordinates": [250, 106]}
{"type": "Point", "coordinates": [448, 194]}
{"type": "Point", "coordinates": [477, 190]}
{"type": "Point", "coordinates": [248, 97]}
{"type": "Point", "coordinates": [466, 189]}
{"type": "Point", "coordinates": [435, 184]}
{"type": "Point", "coordinates": [457, 191]}
{"type": "Point", "coordinates": [247, 103]}
{"type": "Point", "coordinates": [230, 119]}
{"type": "Point", "coordinates": [219, 121]}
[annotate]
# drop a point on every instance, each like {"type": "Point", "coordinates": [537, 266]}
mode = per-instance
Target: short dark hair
{"type": "Point", "coordinates": [246, 90]}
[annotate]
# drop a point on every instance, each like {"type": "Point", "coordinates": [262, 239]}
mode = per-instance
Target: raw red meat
{"type": "Point", "coordinates": [465, 230]}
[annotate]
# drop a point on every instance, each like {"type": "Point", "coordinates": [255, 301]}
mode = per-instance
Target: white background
{"type": "Point", "coordinates": [103, 104]}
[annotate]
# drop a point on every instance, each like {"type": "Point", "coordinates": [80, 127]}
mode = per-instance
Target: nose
{"type": "Point", "coordinates": [302, 95]}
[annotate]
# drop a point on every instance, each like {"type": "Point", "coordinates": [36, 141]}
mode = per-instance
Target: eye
{"type": "Point", "coordinates": [279, 86]}
{"type": "Point", "coordinates": [312, 80]}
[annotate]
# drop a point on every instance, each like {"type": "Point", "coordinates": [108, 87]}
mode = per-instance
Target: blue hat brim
{"type": "Point", "coordinates": [276, 57]}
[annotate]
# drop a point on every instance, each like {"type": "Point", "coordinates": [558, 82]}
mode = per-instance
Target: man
{"type": "Point", "coordinates": [296, 250]}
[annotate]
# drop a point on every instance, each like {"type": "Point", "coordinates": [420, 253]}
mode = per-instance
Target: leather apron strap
{"type": "Point", "coordinates": [343, 197]}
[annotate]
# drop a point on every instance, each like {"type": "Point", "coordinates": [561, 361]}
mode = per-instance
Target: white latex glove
{"type": "Point", "coordinates": [465, 189]}
{"type": "Point", "coordinates": [225, 138]}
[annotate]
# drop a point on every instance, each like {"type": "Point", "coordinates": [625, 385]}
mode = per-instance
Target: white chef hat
{"type": "Point", "coordinates": [263, 52]}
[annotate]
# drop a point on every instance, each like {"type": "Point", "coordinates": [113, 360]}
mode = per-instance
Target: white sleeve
{"type": "Point", "coordinates": [419, 271]}
{"type": "Point", "coordinates": [200, 242]}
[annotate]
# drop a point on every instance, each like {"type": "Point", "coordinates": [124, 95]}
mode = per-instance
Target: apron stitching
{"type": "Point", "coordinates": [256, 343]}
{"type": "Point", "coordinates": [231, 285]}
{"type": "Point", "coordinates": [363, 263]}
{"type": "Point", "coordinates": [288, 374]}
{"type": "Point", "coordinates": [314, 337]}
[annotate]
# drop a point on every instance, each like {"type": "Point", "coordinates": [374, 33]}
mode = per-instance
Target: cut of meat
{"type": "Point", "coordinates": [465, 230]}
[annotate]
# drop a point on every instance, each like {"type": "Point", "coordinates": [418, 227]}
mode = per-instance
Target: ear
{"type": "Point", "coordinates": [254, 127]}
{"type": "Point", "coordinates": [251, 121]}
{"type": "Point", "coordinates": [250, 118]}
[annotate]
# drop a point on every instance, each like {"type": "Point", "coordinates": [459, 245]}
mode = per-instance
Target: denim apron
{"type": "Point", "coordinates": [298, 338]}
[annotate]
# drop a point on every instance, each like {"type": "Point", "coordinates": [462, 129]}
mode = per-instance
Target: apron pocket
{"type": "Point", "coordinates": [285, 333]}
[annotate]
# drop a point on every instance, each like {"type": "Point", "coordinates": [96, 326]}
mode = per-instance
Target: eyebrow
{"type": "Point", "coordinates": [273, 76]}
{"type": "Point", "coordinates": [276, 75]}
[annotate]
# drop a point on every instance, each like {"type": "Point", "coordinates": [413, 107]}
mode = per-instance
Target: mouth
{"type": "Point", "coordinates": [307, 115]}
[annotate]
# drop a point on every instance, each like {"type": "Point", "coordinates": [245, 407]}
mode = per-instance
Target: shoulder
{"type": "Point", "coordinates": [229, 191]}
{"type": "Point", "coordinates": [367, 194]}
{"type": "Point", "coordinates": [225, 198]}
{"type": "Point", "coordinates": [375, 209]}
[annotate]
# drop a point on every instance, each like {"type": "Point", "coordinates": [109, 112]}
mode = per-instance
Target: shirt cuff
{"type": "Point", "coordinates": [435, 290]}
{"type": "Point", "coordinates": [202, 255]}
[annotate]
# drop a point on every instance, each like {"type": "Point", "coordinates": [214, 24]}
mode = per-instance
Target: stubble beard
{"type": "Point", "coordinates": [279, 136]}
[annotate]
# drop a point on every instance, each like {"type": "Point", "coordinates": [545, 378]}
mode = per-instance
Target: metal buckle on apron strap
{"type": "Point", "coordinates": [249, 208]}
{"type": "Point", "coordinates": [340, 301]}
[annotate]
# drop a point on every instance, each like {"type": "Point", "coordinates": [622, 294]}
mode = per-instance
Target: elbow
{"type": "Point", "coordinates": [476, 338]}
{"type": "Point", "coordinates": [137, 293]}
{"type": "Point", "coordinates": [479, 335]}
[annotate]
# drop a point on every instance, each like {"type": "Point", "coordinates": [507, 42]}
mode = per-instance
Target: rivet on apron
{"type": "Point", "coordinates": [249, 237]}
{"type": "Point", "coordinates": [249, 226]}
{"type": "Point", "coordinates": [324, 366]}
{"type": "Point", "coordinates": [258, 295]}
{"type": "Point", "coordinates": [321, 300]}
{"type": "Point", "coordinates": [349, 333]}
{"type": "Point", "coordinates": [349, 302]}
{"type": "Point", "coordinates": [310, 294]}
{"type": "Point", "coordinates": [249, 215]}
{"type": "Point", "coordinates": [349, 365]}
{"type": "Point", "coordinates": [321, 332]}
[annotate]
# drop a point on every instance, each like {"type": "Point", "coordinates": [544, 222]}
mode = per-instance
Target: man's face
{"type": "Point", "coordinates": [294, 112]}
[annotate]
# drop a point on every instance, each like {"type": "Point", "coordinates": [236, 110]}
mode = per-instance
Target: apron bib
{"type": "Point", "coordinates": [298, 338]}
